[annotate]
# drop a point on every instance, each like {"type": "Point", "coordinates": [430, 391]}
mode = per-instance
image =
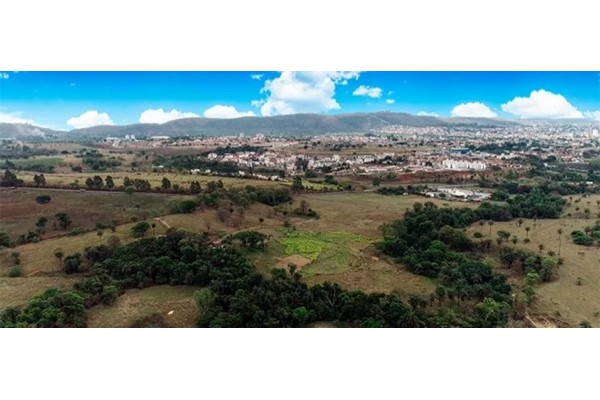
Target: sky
{"type": "Point", "coordinates": [69, 100]}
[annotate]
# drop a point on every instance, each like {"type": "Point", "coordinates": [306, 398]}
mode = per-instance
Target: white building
{"type": "Point", "coordinates": [463, 165]}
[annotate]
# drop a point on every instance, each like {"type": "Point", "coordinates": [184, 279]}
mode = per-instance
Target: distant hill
{"type": "Point", "coordinates": [296, 124]}
{"type": "Point", "coordinates": [24, 130]}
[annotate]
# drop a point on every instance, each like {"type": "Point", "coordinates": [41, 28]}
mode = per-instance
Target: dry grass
{"type": "Point", "coordinates": [135, 304]}
{"type": "Point", "coordinates": [155, 178]}
{"type": "Point", "coordinates": [353, 263]}
{"type": "Point", "coordinates": [19, 211]}
{"type": "Point", "coordinates": [39, 257]}
{"type": "Point", "coordinates": [18, 291]}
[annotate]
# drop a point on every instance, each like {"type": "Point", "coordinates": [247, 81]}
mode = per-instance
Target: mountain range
{"type": "Point", "coordinates": [295, 124]}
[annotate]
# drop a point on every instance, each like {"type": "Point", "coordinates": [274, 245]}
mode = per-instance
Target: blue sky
{"type": "Point", "coordinates": [66, 100]}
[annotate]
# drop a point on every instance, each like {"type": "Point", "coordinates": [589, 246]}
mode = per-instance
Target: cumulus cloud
{"type": "Point", "coordinates": [473, 110]}
{"type": "Point", "coordinates": [362, 90]}
{"type": "Point", "coordinates": [4, 75]}
{"type": "Point", "coordinates": [225, 112]}
{"type": "Point", "coordinates": [14, 118]}
{"type": "Point", "coordinates": [427, 114]}
{"type": "Point", "coordinates": [257, 77]}
{"type": "Point", "coordinates": [303, 92]}
{"type": "Point", "coordinates": [594, 115]}
{"type": "Point", "coordinates": [257, 103]}
{"type": "Point", "coordinates": [390, 101]}
{"type": "Point", "coordinates": [90, 118]}
{"type": "Point", "coordinates": [542, 104]}
{"type": "Point", "coordinates": [160, 116]}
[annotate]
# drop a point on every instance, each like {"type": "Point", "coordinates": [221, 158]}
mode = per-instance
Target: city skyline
{"type": "Point", "coordinates": [71, 100]}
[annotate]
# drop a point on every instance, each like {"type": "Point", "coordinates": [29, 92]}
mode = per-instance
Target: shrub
{"type": "Point", "coordinates": [184, 207]}
{"type": "Point", "coordinates": [15, 272]}
{"type": "Point", "coordinates": [478, 235]}
{"type": "Point", "coordinates": [140, 229]}
{"type": "Point", "coordinates": [43, 199]}
{"type": "Point", "coordinates": [72, 263]}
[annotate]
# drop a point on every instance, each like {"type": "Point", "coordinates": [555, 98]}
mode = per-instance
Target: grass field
{"type": "Point", "coordinates": [564, 298]}
{"type": "Point", "coordinates": [42, 161]}
{"type": "Point", "coordinates": [155, 178]}
{"type": "Point", "coordinates": [18, 291]}
{"type": "Point", "coordinates": [135, 304]}
{"type": "Point", "coordinates": [340, 243]}
{"type": "Point", "coordinates": [19, 211]}
{"type": "Point", "coordinates": [38, 258]}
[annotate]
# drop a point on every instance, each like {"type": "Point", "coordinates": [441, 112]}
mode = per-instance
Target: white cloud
{"type": "Point", "coordinates": [226, 112]}
{"type": "Point", "coordinates": [90, 118]}
{"type": "Point", "coordinates": [257, 103]}
{"type": "Point", "coordinates": [4, 75]}
{"type": "Point", "coordinates": [362, 90]}
{"type": "Point", "coordinates": [542, 104]}
{"type": "Point", "coordinates": [473, 110]}
{"type": "Point", "coordinates": [303, 92]}
{"type": "Point", "coordinates": [427, 114]}
{"type": "Point", "coordinates": [257, 77]}
{"type": "Point", "coordinates": [160, 116]}
{"type": "Point", "coordinates": [14, 118]}
{"type": "Point", "coordinates": [595, 115]}
{"type": "Point", "coordinates": [390, 101]}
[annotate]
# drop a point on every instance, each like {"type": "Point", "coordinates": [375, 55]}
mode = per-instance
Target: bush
{"type": "Point", "coordinates": [43, 199]}
{"type": "Point", "coordinates": [478, 235]}
{"type": "Point", "coordinates": [72, 263]}
{"type": "Point", "coordinates": [140, 229]}
{"type": "Point", "coordinates": [184, 207]}
{"type": "Point", "coordinates": [15, 272]}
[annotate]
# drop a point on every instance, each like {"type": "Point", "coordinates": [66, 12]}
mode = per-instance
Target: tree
{"type": "Point", "coordinates": [195, 187]}
{"type": "Point", "coordinates": [490, 314]}
{"type": "Point", "coordinates": [109, 182]}
{"type": "Point", "coordinates": [129, 191]}
{"type": "Point", "coordinates": [527, 229]}
{"type": "Point", "coordinates": [140, 229]}
{"type": "Point", "coordinates": [515, 240]}
{"type": "Point", "coordinates": [54, 308]}
{"type": "Point", "coordinates": [100, 233]}
{"type": "Point", "coordinates": [490, 223]}
{"type": "Point", "coordinates": [59, 254]}
{"type": "Point", "coordinates": [10, 179]}
{"type": "Point", "coordinates": [520, 222]}
{"type": "Point", "coordinates": [63, 220]}
{"type": "Point", "coordinates": [165, 183]}
{"type": "Point", "coordinates": [4, 239]}
{"type": "Point", "coordinates": [560, 232]}
{"type": "Point", "coordinates": [39, 180]}
{"type": "Point", "coordinates": [153, 226]}
{"type": "Point", "coordinates": [72, 263]}
{"type": "Point", "coordinates": [541, 247]}
{"type": "Point", "coordinates": [297, 184]}
{"type": "Point", "coordinates": [376, 181]}
{"type": "Point", "coordinates": [41, 224]}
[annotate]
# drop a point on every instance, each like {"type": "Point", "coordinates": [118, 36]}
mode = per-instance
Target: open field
{"type": "Point", "coordinates": [155, 178]}
{"type": "Point", "coordinates": [19, 211]}
{"type": "Point", "coordinates": [42, 160]}
{"type": "Point", "coordinates": [563, 298]}
{"type": "Point", "coordinates": [135, 304]}
{"type": "Point", "coordinates": [340, 243]}
{"type": "Point", "coordinates": [38, 258]}
{"type": "Point", "coordinates": [18, 291]}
